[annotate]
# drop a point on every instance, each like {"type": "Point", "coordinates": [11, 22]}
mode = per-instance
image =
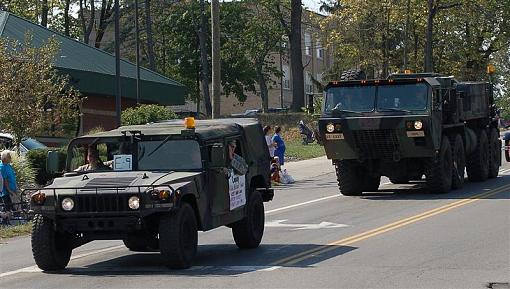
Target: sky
{"type": "Point", "coordinates": [312, 4]}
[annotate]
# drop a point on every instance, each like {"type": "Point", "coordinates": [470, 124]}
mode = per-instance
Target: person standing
{"type": "Point", "coordinates": [271, 145]}
{"type": "Point", "coordinates": [9, 180]}
{"type": "Point", "coordinates": [280, 145]}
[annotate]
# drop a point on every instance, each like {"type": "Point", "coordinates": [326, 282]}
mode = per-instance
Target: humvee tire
{"type": "Point", "coordinates": [350, 182]}
{"type": "Point", "coordinates": [248, 231]}
{"type": "Point", "coordinates": [459, 161]}
{"type": "Point", "coordinates": [477, 164]}
{"type": "Point", "coordinates": [400, 180]}
{"type": "Point", "coordinates": [141, 243]}
{"type": "Point", "coordinates": [178, 237]}
{"type": "Point", "coordinates": [371, 183]}
{"type": "Point", "coordinates": [439, 171]}
{"type": "Point", "coordinates": [353, 74]}
{"type": "Point", "coordinates": [494, 153]}
{"type": "Point", "coordinates": [51, 251]}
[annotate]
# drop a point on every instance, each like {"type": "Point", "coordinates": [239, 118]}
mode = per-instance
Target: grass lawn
{"type": "Point", "coordinates": [15, 231]}
{"type": "Point", "coordinates": [296, 151]}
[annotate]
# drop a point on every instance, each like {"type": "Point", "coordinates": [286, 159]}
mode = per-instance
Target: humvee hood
{"type": "Point", "coordinates": [114, 179]}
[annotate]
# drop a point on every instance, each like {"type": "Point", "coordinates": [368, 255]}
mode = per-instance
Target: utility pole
{"type": "Point", "coordinates": [137, 35]}
{"type": "Point", "coordinates": [216, 69]}
{"type": "Point", "coordinates": [406, 32]}
{"type": "Point", "coordinates": [117, 65]}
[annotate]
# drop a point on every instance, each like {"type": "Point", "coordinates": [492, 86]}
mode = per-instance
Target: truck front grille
{"type": "Point", "coordinates": [377, 144]}
{"type": "Point", "coordinates": [101, 203]}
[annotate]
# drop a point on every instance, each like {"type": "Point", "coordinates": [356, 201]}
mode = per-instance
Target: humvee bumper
{"type": "Point", "coordinates": [123, 224]}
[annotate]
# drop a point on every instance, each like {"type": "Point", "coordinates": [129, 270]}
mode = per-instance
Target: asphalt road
{"type": "Point", "coordinates": [399, 237]}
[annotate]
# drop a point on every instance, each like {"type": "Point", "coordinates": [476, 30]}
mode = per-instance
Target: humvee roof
{"type": "Point", "coordinates": [204, 129]}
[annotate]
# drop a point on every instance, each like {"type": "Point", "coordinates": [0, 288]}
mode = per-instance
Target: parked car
{"type": "Point", "coordinates": [7, 142]}
{"type": "Point", "coordinates": [254, 112]}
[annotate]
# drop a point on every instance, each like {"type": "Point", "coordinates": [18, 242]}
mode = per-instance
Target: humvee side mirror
{"type": "Point", "coordinates": [217, 156]}
{"type": "Point", "coordinates": [52, 162]}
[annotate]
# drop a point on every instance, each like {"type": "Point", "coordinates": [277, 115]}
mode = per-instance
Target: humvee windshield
{"type": "Point", "coordinates": [108, 154]}
{"type": "Point", "coordinates": [404, 97]}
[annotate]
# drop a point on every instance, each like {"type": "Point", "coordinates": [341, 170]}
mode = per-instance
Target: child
{"type": "Point", "coordinates": [275, 170]}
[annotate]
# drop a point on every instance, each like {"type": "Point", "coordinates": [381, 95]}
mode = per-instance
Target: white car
{"type": "Point", "coordinates": [7, 142]}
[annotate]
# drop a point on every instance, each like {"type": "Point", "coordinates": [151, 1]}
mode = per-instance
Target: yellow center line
{"type": "Point", "coordinates": [386, 228]}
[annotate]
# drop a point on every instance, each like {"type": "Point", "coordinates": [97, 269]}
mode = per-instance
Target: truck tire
{"type": "Point", "coordinates": [494, 153]}
{"type": "Point", "coordinates": [50, 249]}
{"type": "Point", "coordinates": [439, 169]}
{"type": "Point", "coordinates": [459, 161]}
{"type": "Point", "coordinates": [477, 164]}
{"type": "Point", "coordinates": [400, 180]}
{"type": "Point", "coordinates": [178, 237]}
{"type": "Point", "coordinates": [248, 232]}
{"type": "Point", "coordinates": [371, 183]}
{"type": "Point", "coordinates": [138, 243]}
{"type": "Point", "coordinates": [353, 74]}
{"type": "Point", "coordinates": [349, 180]}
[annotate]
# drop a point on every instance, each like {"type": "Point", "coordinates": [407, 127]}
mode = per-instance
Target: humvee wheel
{"type": "Point", "coordinates": [494, 153]}
{"type": "Point", "coordinates": [459, 162]}
{"type": "Point", "coordinates": [439, 170]}
{"type": "Point", "coordinates": [50, 249]}
{"type": "Point", "coordinates": [478, 162]}
{"type": "Point", "coordinates": [248, 231]}
{"type": "Point", "coordinates": [353, 74]}
{"type": "Point", "coordinates": [178, 237]}
{"type": "Point", "coordinates": [349, 180]}
{"type": "Point", "coordinates": [371, 183]}
{"type": "Point", "coordinates": [138, 243]}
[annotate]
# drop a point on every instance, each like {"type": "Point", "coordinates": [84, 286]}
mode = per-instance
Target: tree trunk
{"type": "Point", "coordinates": [428, 63]}
{"type": "Point", "coordinates": [150, 43]}
{"type": "Point", "coordinates": [298, 88]}
{"type": "Point", "coordinates": [104, 20]}
{"type": "Point", "coordinates": [264, 94]}
{"type": "Point", "coordinates": [87, 26]}
{"type": "Point", "coordinates": [66, 18]}
{"type": "Point", "coordinates": [204, 63]}
{"type": "Point", "coordinates": [44, 13]}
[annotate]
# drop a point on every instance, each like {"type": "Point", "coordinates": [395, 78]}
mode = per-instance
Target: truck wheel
{"type": "Point", "coordinates": [439, 170]}
{"type": "Point", "coordinates": [494, 153]}
{"type": "Point", "coordinates": [459, 162]}
{"type": "Point", "coordinates": [478, 161]}
{"type": "Point", "coordinates": [353, 74]}
{"type": "Point", "coordinates": [371, 183]}
{"type": "Point", "coordinates": [349, 180]}
{"type": "Point", "coordinates": [137, 243]}
{"type": "Point", "coordinates": [400, 180]}
{"type": "Point", "coordinates": [178, 237]}
{"type": "Point", "coordinates": [51, 249]}
{"type": "Point", "coordinates": [248, 231]}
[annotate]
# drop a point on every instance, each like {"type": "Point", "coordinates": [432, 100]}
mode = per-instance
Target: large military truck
{"type": "Point", "coordinates": [154, 186]}
{"type": "Point", "coordinates": [407, 126]}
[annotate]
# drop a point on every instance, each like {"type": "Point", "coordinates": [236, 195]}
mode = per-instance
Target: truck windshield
{"type": "Point", "coordinates": [119, 154]}
{"type": "Point", "coordinates": [404, 98]}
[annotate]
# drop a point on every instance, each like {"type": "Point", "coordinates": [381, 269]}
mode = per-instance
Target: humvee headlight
{"type": "Point", "coordinates": [330, 127]}
{"type": "Point", "coordinates": [418, 125]}
{"type": "Point", "coordinates": [67, 204]}
{"type": "Point", "coordinates": [38, 198]}
{"type": "Point", "coordinates": [134, 203]}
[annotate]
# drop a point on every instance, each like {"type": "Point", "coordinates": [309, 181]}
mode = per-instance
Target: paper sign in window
{"type": "Point", "coordinates": [122, 162]}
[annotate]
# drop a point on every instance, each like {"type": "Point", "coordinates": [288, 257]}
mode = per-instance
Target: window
{"type": "Point", "coordinates": [320, 50]}
{"type": "Point", "coordinates": [286, 76]}
{"type": "Point", "coordinates": [308, 44]}
{"type": "Point", "coordinates": [308, 83]}
{"type": "Point", "coordinates": [169, 155]}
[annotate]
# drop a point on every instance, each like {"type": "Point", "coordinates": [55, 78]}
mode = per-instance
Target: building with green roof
{"type": "Point", "coordinates": [92, 72]}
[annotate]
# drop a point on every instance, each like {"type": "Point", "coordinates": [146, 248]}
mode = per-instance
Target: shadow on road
{"type": "Point", "coordinates": [417, 191]}
{"type": "Point", "coordinates": [211, 260]}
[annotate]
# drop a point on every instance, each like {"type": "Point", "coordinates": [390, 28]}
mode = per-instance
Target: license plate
{"type": "Point", "coordinates": [334, 136]}
{"type": "Point", "coordinates": [415, 133]}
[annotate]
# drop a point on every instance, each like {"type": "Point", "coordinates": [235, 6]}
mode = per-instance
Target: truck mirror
{"type": "Point", "coordinates": [217, 156]}
{"type": "Point", "coordinates": [52, 162]}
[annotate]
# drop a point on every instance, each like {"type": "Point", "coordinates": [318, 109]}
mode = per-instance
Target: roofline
{"type": "Point", "coordinates": [2, 27]}
{"type": "Point", "coordinates": [372, 82]}
{"type": "Point", "coordinates": [2, 24]}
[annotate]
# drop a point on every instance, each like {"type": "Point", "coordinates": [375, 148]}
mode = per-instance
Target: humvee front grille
{"type": "Point", "coordinates": [377, 144]}
{"type": "Point", "coordinates": [101, 203]}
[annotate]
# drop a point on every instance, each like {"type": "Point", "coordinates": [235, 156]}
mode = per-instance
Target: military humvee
{"type": "Point", "coordinates": [407, 126]}
{"type": "Point", "coordinates": [154, 186]}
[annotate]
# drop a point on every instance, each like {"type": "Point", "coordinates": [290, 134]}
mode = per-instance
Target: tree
{"type": "Point", "coordinates": [105, 18]}
{"type": "Point", "coordinates": [204, 63]}
{"type": "Point", "coordinates": [146, 113]}
{"type": "Point", "coordinates": [87, 18]}
{"type": "Point", "coordinates": [30, 87]}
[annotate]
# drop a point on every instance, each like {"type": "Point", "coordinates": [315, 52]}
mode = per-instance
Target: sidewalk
{"type": "Point", "coordinates": [307, 169]}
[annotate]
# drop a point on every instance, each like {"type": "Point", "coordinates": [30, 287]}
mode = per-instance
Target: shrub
{"type": "Point", "coordinates": [146, 113]}
{"type": "Point", "coordinates": [37, 159]}
{"type": "Point", "coordinates": [25, 173]}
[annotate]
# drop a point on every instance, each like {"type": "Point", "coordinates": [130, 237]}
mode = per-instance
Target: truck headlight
{"type": "Point", "coordinates": [418, 125]}
{"type": "Point", "coordinates": [330, 127]}
{"type": "Point", "coordinates": [67, 204]}
{"type": "Point", "coordinates": [134, 203]}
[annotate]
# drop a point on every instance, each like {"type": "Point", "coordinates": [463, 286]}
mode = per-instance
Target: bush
{"type": "Point", "coordinates": [146, 113]}
{"type": "Point", "coordinates": [25, 173]}
{"type": "Point", "coordinates": [37, 159]}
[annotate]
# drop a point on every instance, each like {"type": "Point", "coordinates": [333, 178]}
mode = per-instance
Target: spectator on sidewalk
{"type": "Point", "coordinates": [9, 180]}
{"type": "Point", "coordinates": [280, 145]}
{"type": "Point", "coordinates": [271, 145]}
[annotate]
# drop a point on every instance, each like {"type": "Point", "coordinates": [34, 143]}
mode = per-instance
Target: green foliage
{"type": "Point", "coordinates": [146, 113]}
{"type": "Point", "coordinates": [25, 173]}
{"type": "Point", "coordinates": [15, 231]}
{"type": "Point", "coordinates": [37, 159]}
